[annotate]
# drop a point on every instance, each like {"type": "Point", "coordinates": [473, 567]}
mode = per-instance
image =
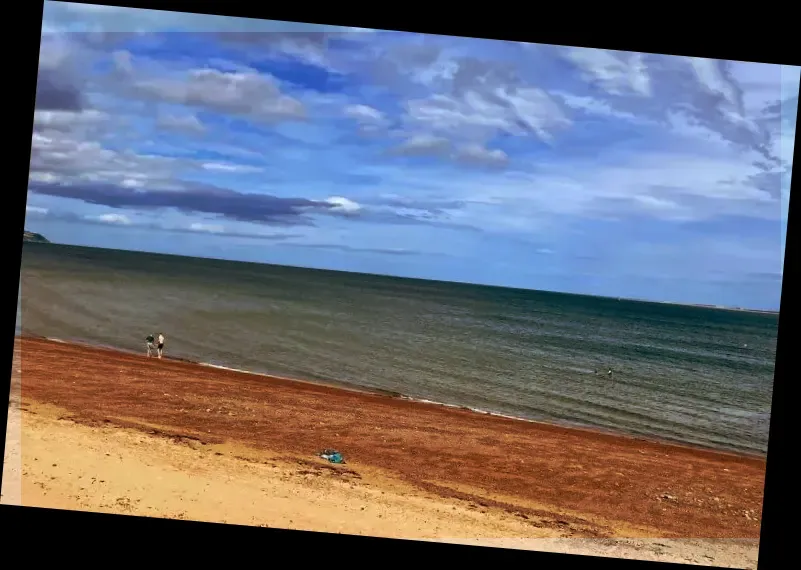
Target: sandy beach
{"type": "Point", "coordinates": [101, 430]}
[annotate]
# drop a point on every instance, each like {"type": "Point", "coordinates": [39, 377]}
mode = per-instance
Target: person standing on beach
{"type": "Point", "coordinates": [160, 345]}
{"type": "Point", "coordinates": [150, 341]}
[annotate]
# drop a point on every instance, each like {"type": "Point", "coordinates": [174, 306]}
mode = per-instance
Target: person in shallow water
{"type": "Point", "coordinates": [160, 345]}
{"type": "Point", "coordinates": [150, 342]}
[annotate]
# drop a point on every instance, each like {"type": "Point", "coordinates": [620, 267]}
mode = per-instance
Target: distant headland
{"type": "Point", "coordinates": [726, 308]}
{"type": "Point", "coordinates": [34, 237]}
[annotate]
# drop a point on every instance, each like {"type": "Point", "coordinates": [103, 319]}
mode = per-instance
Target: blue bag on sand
{"type": "Point", "coordinates": [332, 456]}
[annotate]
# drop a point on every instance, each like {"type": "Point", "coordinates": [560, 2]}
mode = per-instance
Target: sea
{"type": "Point", "coordinates": [691, 375]}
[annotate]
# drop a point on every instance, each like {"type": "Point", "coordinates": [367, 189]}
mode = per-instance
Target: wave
{"type": "Point", "coordinates": [339, 385]}
{"type": "Point", "coordinates": [240, 370]}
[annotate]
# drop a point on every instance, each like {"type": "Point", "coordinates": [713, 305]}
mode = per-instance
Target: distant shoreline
{"type": "Point", "coordinates": [463, 283]}
{"type": "Point", "coordinates": [717, 307]}
{"type": "Point", "coordinates": [377, 392]}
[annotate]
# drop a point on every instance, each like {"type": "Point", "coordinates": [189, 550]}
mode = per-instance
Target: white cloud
{"type": "Point", "coordinates": [55, 51]}
{"type": "Point", "coordinates": [74, 157]}
{"type": "Point", "coordinates": [444, 113]}
{"type": "Point", "coordinates": [616, 72]}
{"type": "Point", "coordinates": [535, 109]}
{"type": "Point", "coordinates": [207, 228]}
{"type": "Point", "coordinates": [343, 205]}
{"type": "Point", "coordinates": [683, 126]}
{"type": "Point", "coordinates": [132, 183]}
{"type": "Point", "coordinates": [187, 123]}
{"type": "Point", "coordinates": [123, 62]}
{"type": "Point", "coordinates": [369, 119]}
{"type": "Point", "coordinates": [476, 115]}
{"type": "Point", "coordinates": [364, 114]}
{"type": "Point", "coordinates": [118, 219]}
{"type": "Point", "coordinates": [663, 186]}
{"type": "Point", "coordinates": [46, 177]}
{"type": "Point", "coordinates": [759, 84]}
{"type": "Point", "coordinates": [720, 100]}
{"type": "Point", "coordinates": [239, 93]}
{"type": "Point", "coordinates": [658, 204]}
{"type": "Point", "coordinates": [36, 210]}
{"type": "Point", "coordinates": [478, 154]}
{"type": "Point", "coordinates": [229, 167]}
{"type": "Point", "coordinates": [441, 70]}
{"type": "Point", "coordinates": [423, 144]}
{"type": "Point", "coordinates": [67, 120]}
{"type": "Point", "coordinates": [708, 73]}
{"type": "Point", "coordinates": [597, 107]}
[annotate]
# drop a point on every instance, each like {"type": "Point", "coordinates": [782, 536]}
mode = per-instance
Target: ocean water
{"type": "Point", "coordinates": [685, 374]}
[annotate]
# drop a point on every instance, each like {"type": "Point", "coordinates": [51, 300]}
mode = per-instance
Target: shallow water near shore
{"type": "Point", "coordinates": [691, 375]}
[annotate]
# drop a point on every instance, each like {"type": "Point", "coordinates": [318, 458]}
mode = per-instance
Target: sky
{"type": "Point", "coordinates": [502, 163]}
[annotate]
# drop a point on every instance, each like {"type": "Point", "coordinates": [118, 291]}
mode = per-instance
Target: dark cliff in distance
{"type": "Point", "coordinates": [34, 237]}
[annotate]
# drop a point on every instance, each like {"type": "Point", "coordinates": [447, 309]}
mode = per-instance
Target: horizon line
{"type": "Point", "coordinates": [466, 283]}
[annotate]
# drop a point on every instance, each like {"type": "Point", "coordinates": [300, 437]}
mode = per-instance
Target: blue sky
{"type": "Point", "coordinates": [503, 163]}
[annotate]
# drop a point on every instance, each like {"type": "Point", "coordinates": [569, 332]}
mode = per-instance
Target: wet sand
{"type": "Point", "coordinates": [171, 438]}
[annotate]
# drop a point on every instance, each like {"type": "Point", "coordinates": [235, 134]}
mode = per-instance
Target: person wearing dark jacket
{"type": "Point", "coordinates": [150, 342]}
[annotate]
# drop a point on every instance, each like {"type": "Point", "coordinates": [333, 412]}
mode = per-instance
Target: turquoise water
{"type": "Point", "coordinates": [692, 375]}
